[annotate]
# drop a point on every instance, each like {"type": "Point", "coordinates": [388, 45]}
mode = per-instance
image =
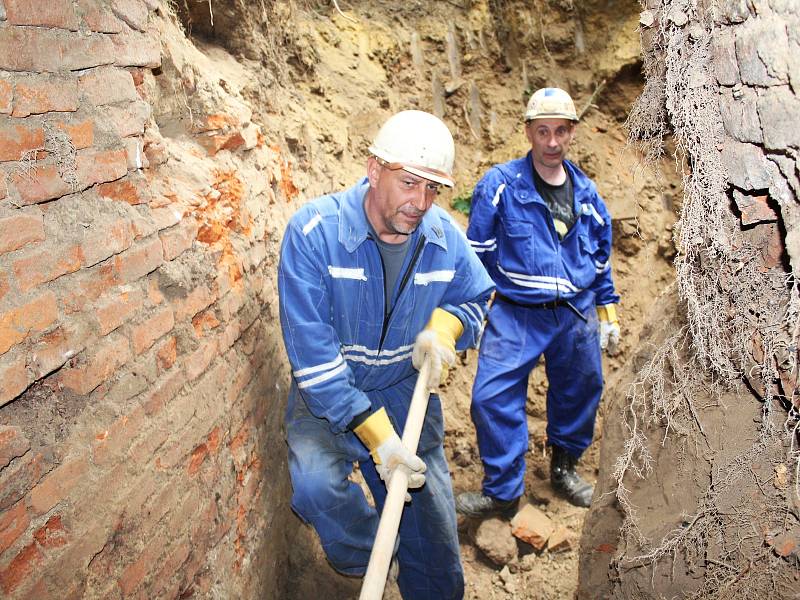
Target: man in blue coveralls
{"type": "Point", "coordinates": [544, 234]}
{"type": "Point", "coordinates": [371, 280]}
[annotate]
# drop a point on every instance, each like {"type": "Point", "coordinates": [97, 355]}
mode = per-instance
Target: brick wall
{"type": "Point", "coordinates": [140, 370]}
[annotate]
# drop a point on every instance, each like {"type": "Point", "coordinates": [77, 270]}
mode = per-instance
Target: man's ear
{"type": "Point", "coordinates": [373, 171]}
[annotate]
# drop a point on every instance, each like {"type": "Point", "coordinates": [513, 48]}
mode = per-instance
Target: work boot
{"type": "Point", "coordinates": [477, 505]}
{"type": "Point", "coordinates": [566, 481]}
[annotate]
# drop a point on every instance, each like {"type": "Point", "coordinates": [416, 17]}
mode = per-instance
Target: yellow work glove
{"type": "Point", "coordinates": [388, 451]}
{"type": "Point", "coordinates": [438, 340]}
{"type": "Point", "coordinates": [609, 328]}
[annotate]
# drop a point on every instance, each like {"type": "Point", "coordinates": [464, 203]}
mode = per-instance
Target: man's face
{"type": "Point", "coordinates": [550, 139]}
{"type": "Point", "coordinates": [397, 200]}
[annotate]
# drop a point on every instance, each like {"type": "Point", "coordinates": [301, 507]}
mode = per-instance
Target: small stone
{"type": "Point", "coordinates": [781, 480]}
{"type": "Point", "coordinates": [451, 87]}
{"type": "Point", "coordinates": [494, 538]}
{"type": "Point", "coordinates": [678, 17]}
{"type": "Point", "coordinates": [647, 18]}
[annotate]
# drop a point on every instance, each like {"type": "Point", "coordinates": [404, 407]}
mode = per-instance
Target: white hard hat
{"type": "Point", "coordinates": [550, 103]}
{"type": "Point", "coordinates": [419, 143]}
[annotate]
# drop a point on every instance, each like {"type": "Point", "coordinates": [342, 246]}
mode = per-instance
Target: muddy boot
{"type": "Point", "coordinates": [566, 481]}
{"type": "Point", "coordinates": [476, 505]}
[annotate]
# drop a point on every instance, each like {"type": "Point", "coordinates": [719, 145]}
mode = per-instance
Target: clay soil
{"type": "Point", "coordinates": [322, 84]}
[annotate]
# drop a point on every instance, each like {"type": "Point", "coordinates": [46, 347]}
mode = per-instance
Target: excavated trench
{"type": "Point", "coordinates": [142, 377]}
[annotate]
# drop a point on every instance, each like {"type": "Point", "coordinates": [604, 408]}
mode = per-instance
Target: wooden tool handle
{"type": "Point", "coordinates": [381, 556]}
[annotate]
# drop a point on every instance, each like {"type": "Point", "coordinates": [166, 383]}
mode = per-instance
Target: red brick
{"type": "Point", "coordinates": [18, 228]}
{"type": "Point", "coordinates": [46, 264]}
{"type": "Point", "coordinates": [121, 191]}
{"type": "Point", "coordinates": [216, 142]}
{"type": "Point", "coordinates": [98, 17]}
{"type": "Point", "coordinates": [103, 241]}
{"type": "Point", "coordinates": [125, 120]}
{"type": "Point", "coordinates": [133, 12]}
{"type": "Point", "coordinates": [197, 362]}
{"type": "Point", "coordinates": [134, 49]}
{"type": "Point", "coordinates": [81, 133]}
{"type": "Point", "coordinates": [13, 523]}
{"type": "Point", "coordinates": [166, 216]}
{"type": "Point", "coordinates": [58, 483]}
{"type": "Point", "coordinates": [198, 299]}
{"type": "Point", "coordinates": [232, 332]}
{"type": "Point", "coordinates": [134, 574]}
{"type": "Point", "coordinates": [100, 166]}
{"type": "Point", "coordinates": [39, 94]}
{"type": "Point", "coordinates": [139, 260]}
{"type": "Point", "coordinates": [116, 439]}
{"type": "Point", "coordinates": [56, 347]}
{"type": "Point", "coordinates": [163, 392]}
{"type": "Point", "coordinates": [13, 444]}
{"type": "Point", "coordinates": [52, 534]}
{"type": "Point", "coordinates": [169, 568]}
{"type": "Point", "coordinates": [21, 475]}
{"type": "Point", "coordinates": [6, 94]}
{"type": "Point", "coordinates": [107, 85]}
{"type": "Point", "coordinates": [44, 183]}
{"type": "Point", "coordinates": [52, 51]}
{"type": "Point", "coordinates": [19, 322]}
{"type": "Point", "coordinates": [197, 458]}
{"type": "Point", "coordinates": [204, 322]}
{"type": "Point", "coordinates": [146, 333]}
{"type": "Point", "coordinates": [53, 13]}
{"type": "Point", "coordinates": [95, 365]}
{"type": "Point", "coordinates": [88, 285]}
{"type": "Point", "coordinates": [178, 238]}
{"type": "Point", "coordinates": [18, 138]}
{"type": "Point", "coordinates": [18, 570]}
{"type": "Point", "coordinates": [113, 311]}
{"type": "Point", "coordinates": [531, 525]}
{"type": "Point", "coordinates": [166, 354]}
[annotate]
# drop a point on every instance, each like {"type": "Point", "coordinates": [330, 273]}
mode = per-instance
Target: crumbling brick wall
{"type": "Point", "coordinates": [140, 380]}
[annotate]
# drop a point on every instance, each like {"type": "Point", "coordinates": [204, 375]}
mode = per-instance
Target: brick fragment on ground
{"type": "Point", "coordinates": [560, 540]}
{"type": "Point", "coordinates": [531, 525]}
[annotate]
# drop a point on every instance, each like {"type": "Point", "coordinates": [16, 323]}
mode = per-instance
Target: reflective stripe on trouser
{"type": "Point", "coordinates": [514, 339]}
{"type": "Point", "coordinates": [320, 463]}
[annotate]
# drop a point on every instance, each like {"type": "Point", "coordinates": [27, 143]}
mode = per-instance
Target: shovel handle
{"type": "Point", "coordinates": [382, 549]}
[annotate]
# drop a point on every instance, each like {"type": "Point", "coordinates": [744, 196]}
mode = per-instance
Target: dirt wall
{"type": "Point", "coordinates": [700, 459]}
{"type": "Point", "coordinates": [141, 375]}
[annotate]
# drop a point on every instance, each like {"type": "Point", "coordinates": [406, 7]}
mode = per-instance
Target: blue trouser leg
{"type": "Point", "coordinates": [575, 382]}
{"type": "Point", "coordinates": [509, 350]}
{"type": "Point", "coordinates": [514, 339]}
{"type": "Point", "coordinates": [319, 464]}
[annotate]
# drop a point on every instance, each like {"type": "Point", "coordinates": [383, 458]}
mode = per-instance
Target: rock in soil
{"type": "Point", "coordinates": [493, 537]}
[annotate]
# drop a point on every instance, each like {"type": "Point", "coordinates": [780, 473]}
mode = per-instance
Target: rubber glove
{"type": "Point", "coordinates": [387, 449]}
{"type": "Point", "coordinates": [438, 340]}
{"type": "Point", "coordinates": [609, 328]}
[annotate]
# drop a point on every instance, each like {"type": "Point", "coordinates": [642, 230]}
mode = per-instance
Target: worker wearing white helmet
{"type": "Point", "coordinates": [544, 234]}
{"type": "Point", "coordinates": [371, 280]}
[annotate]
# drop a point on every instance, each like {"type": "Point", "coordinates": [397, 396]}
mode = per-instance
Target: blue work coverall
{"type": "Point", "coordinates": [513, 233]}
{"type": "Point", "coordinates": [348, 357]}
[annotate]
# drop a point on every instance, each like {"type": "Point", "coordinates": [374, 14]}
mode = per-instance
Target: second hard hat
{"type": "Point", "coordinates": [550, 103]}
{"type": "Point", "coordinates": [417, 142]}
